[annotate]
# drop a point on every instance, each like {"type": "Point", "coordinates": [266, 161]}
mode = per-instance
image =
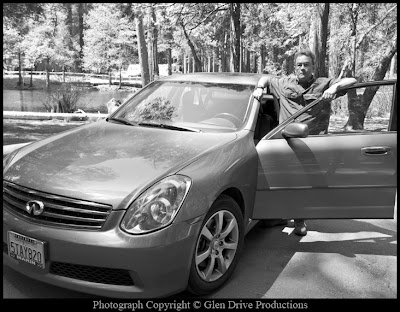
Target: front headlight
{"type": "Point", "coordinates": [156, 207]}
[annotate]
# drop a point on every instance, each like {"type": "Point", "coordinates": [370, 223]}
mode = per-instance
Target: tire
{"type": "Point", "coordinates": [222, 246]}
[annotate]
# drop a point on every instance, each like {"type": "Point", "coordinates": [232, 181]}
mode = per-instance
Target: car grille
{"type": "Point", "coordinates": [58, 211]}
{"type": "Point", "coordinates": [92, 274]}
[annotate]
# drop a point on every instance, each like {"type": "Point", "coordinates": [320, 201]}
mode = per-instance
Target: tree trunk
{"type": "Point", "coordinates": [235, 36]}
{"type": "Point", "coordinates": [169, 61]}
{"type": "Point", "coordinates": [313, 38]}
{"type": "Point", "coordinates": [31, 81]}
{"type": "Point", "coordinates": [217, 60]}
{"type": "Point", "coordinates": [323, 10]}
{"type": "Point", "coordinates": [224, 53]}
{"type": "Point", "coordinates": [319, 37]}
{"type": "Point", "coordinates": [247, 61]}
{"type": "Point", "coordinates": [69, 24]}
{"type": "Point", "coordinates": [393, 66]}
{"type": "Point", "coordinates": [64, 73]}
{"type": "Point", "coordinates": [120, 77]}
{"type": "Point", "coordinates": [262, 60]}
{"type": "Point", "coordinates": [255, 60]}
{"type": "Point", "coordinates": [197, 62]}
{"type": "Point", "coordinates": [358, 105]}
{"type": "Point", "coordinates": [109, 78]}
{"type": "Point", "coordinates": [353, 25]}
{"type": "Point", "coordinates": [155, 44]}
{"type": "Point", "coordinates": [334, 49]}
{"type": "Point", "coordinates": [143, 56]}
{"type": "Point", "coordinates": [47, 64]}
{"type": "Point", "coordinates": [80, 30]}
{"type": "Point", "coordinates": [19, 70]}
{"type": "Point", "coordinates": [150, 39]}
{"type": "Point", "coordinates": [47, 78]}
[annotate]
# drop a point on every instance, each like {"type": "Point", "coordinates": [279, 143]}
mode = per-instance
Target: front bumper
{"type": "Point", "coordinates": [158, 263]}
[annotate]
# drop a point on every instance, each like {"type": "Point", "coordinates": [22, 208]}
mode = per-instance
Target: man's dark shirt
{"type": "Point", "coordinates": [292, 97]}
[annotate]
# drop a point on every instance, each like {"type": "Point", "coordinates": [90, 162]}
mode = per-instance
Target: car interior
{"type": "Point", "coordinates": [191, 112]}
{"type": "Point", "coordinates": [267, 116]}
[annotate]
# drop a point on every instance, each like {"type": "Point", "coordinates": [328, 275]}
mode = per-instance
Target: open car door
{"type": "Point", "coordinates": [341, 173]}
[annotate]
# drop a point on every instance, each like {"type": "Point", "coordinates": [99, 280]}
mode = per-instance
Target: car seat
{"type": "Point", "coordinates": [265, 123]}
{"type": "Point", "coordinates": [191, 112]}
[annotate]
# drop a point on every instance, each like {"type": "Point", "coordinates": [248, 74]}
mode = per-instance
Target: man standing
{"type": "Point", "coordinates": [296, 91]}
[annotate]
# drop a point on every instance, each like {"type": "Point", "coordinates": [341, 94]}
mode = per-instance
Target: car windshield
{"type": "Point", "coordinates": [188, 105]}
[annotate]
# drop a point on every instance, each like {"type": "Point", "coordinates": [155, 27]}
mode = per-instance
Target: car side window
{"type": "Point", "coordinates": [361, 110]}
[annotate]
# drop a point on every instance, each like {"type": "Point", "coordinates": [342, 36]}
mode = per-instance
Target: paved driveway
{"type": "Point", "coordinates": [337, 259]}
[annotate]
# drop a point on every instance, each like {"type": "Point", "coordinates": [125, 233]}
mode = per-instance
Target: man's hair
{"type": "Point", "coordinates": [305, 52]}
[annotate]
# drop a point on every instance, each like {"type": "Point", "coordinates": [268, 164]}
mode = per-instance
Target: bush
{"type": "Point", "coordinates": [63, 97]}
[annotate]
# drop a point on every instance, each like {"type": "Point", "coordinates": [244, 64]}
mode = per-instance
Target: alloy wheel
{"type": "Point", "coordinates": [217, 245]}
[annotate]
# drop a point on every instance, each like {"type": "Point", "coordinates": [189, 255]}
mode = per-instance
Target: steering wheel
{"type": "Point", "coordinates": [232, 118]}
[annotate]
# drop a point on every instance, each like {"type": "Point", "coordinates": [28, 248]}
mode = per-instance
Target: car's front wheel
{"type": "Point", "coordinates": [218, 247]}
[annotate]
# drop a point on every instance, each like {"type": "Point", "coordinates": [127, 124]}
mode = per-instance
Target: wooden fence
{"type": "Point", "coordinates": [83, 78]}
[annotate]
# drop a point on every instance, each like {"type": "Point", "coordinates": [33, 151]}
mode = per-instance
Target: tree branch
{"type": "Point", "coordinates": [218, 9]}
{"type": "Point", "coordinates": [373, 26]}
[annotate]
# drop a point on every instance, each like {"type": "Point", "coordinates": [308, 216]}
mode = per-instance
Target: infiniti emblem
{"type": "Point", "coordinates": [34, 206]}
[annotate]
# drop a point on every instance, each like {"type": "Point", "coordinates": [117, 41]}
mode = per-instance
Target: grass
{"type": "Point", "coordinates": [22, 131]}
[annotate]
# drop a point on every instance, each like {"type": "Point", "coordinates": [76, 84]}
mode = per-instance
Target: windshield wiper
{"type": "Point", "coordinates": [124, 121]}
{"type": "Point", "coordinates": [171, 127]}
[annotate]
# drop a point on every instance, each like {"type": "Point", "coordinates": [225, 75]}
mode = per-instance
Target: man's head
{"type": "Point", "coordinates": [304, 61]}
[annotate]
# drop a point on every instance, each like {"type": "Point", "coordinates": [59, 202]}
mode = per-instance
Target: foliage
{"type": "Point", "coordinates": [64, 97]}
{"type": "Point", "coordinates": [109, 39]}
{"type": "Point", "coordinates": [359, 35]}
{"type": "Point", "coordinates": [19, 11]}
{"type": "Point", "coordinates": [156, 109]}
{"type": "Point", "coordinates": [11, 42]}
{"type": "Point", "coordinates": [271, 31]}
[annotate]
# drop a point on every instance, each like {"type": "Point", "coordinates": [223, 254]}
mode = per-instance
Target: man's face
{"type": "Point", "coordinates": [304, 68]}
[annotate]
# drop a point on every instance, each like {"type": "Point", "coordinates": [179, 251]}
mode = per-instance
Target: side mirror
{"type": "Point", "coordinates": [295, 130]}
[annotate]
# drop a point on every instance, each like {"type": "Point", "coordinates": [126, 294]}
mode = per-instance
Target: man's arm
{"type": "Point", "coordinates": [261, 85]}
{"type": "Point", "coordinates": [329, 93]}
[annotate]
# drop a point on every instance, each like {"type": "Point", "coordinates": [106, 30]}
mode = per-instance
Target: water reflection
{"type": "Point", "coordinates": [30, 100]}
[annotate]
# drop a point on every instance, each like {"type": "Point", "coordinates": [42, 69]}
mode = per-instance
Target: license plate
{"type": "Point", "coordinates": [26, 249]}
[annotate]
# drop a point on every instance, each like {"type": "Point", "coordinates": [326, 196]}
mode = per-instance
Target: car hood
{"type": "Point", "coordinates": [108, 163]}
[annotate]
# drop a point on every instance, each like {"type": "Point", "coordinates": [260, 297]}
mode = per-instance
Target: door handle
{"type": "Point", "coordinates": [376, 150]}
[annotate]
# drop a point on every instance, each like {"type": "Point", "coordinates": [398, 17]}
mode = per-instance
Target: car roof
{"type": "Point", "coordinates": [234, 78]}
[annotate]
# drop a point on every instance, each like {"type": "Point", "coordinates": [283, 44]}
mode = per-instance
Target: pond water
{"type": "Point", "coordinates": [31, 100]}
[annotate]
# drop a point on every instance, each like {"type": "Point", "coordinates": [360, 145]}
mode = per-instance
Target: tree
{"type": "Point", "coordinates": [167, 42]}
{"type": "Point", "coordinates": [152, 39]}
{"type": "Point", "coordinates": [195, 19]}
{"type": "Point", "coordinates": [318, 38]}
{"type": "Point", "coordinates": [234, 9]}
{"type": "Point", "coordinates": [358, 104]}
{"type": "Point", "coordinates": [40, 42]}
{"type": "Point", "coordinates": [21, 11]}
{"type": "Point", "coordinates": [141, 42]}
{"type": "Point", "coordinates": [376, 25]}
{"type": "Point", "coordinates": [107, 38]}
{"type": "Point", "coordinates": [15, 19]}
